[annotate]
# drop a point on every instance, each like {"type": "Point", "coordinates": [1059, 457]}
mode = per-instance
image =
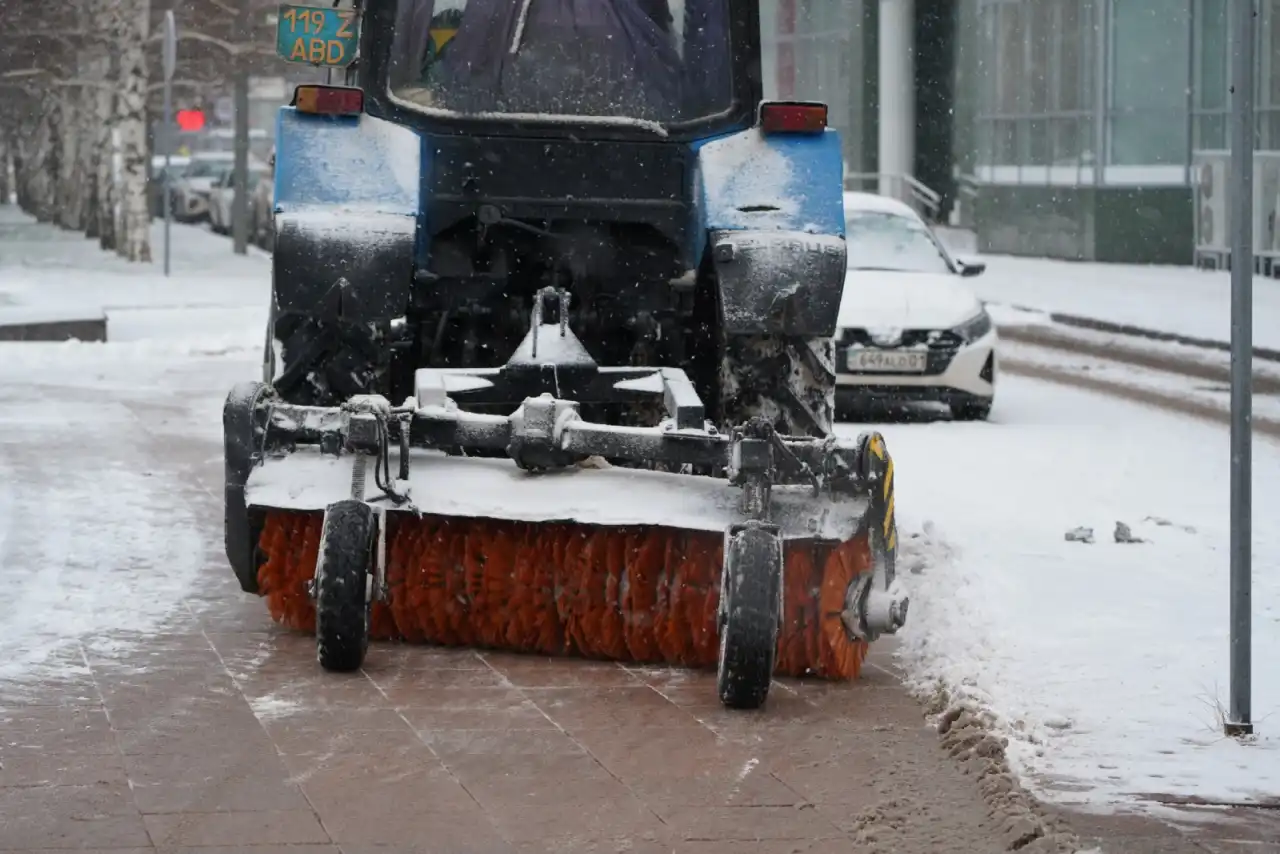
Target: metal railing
{"type": "Point", "coordinates": [905, 188]}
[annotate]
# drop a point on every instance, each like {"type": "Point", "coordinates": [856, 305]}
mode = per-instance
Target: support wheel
{"type": "Point", "coordinates": [971, 410]}
{"type": "Point", "coordinates": [343, 603]}
{"type": "Point", "coordinates": [751, 611]}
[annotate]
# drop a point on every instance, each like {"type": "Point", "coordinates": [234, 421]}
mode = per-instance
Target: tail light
{"type": "Point", "coordinates": [793, 117]}
{"type": "Point", "coordinates": [328, 100]}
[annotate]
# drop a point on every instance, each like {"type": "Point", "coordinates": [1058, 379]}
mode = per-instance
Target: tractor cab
{"type": "Point", "coordinates": [652, 62]}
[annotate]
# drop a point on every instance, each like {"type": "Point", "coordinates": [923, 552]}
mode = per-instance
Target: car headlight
{"type": "Point", "coordinates": [975, 327]}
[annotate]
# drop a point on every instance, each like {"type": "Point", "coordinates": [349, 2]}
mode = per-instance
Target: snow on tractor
{"type": "Point", "coordinates": [549, 360]}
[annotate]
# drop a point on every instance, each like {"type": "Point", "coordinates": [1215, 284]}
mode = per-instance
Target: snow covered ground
{"type": "Point", "coordinates": [78, 428]}
{"type": "Point", "coordinates": [1183, 300]}
{"type": "Point", "coordinates": [1105, 663]}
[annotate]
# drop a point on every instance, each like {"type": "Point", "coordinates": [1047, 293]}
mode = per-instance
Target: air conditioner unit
{"type": "Point", "coordinates": [1266, 203]}
{"type": "Point", "coordinates": [1209, 181]}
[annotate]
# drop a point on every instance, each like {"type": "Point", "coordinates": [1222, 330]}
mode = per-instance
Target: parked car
{"type": "Point", "coordinates": [191, 189]}
{"type": "Point", "coordinates": [909, 329]}
{"type": "Point", "coordinates": [155, 185]}
{"type": "Point", "coordinates": [262, 203]}
{"type": "Point", "coordinates": [222, 199]}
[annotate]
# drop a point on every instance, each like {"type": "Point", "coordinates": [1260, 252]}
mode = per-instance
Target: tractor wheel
{"type": "Point", "coordinates": [343, 603]}
{"type": "Point", "coordinates": [751, 611]}
{"type": "Point", "coordinates": [324, 363]}
{"type": "Point", "coordinates": [789, 381]}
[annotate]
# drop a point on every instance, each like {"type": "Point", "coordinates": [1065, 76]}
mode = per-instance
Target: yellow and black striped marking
{"type": "Point", "coordinates": [890, 530]}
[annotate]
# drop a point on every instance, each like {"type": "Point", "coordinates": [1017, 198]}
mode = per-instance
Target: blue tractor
{"type": "Point", "coordinates": [585, 212]}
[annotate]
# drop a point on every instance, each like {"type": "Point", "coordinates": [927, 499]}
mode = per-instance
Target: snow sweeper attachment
{"type": "Point", "coordinates": [542, 532]}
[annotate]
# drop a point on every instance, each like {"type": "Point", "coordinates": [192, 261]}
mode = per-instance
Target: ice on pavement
{"type": "Point", "coordinates": [93, 539]}
{"type": "Point", "coordinates": [1105, 663]}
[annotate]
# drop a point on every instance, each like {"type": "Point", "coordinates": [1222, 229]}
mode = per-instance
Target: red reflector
{"type": "Point", "coordinates": [793, 117]}
{"type": "Point", "coordinates": [329, 100]}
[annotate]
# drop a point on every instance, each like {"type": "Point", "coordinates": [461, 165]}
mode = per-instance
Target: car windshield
{"type": "Point", "coordinates": [887, 241]}
{"type": "Point", "coordinates": [205, 169]}
{"type": "Point", "coordinates": [659, 61]}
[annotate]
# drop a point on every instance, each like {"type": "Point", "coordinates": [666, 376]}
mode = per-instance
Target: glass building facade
{"type": "Point", "coordinates": [1080, 121]}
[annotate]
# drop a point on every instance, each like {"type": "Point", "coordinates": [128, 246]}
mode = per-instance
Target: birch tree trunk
{"type": "Point", "coordinates": [134, 239]}
{"type": "Point", "coordinates": [106, 197]}
{"type": "Point", "coordinates": [39, 163]}
{"type": "Point", "coordinates": [5, 189]}
{"type": "Point", "coordinates": [69, 208]}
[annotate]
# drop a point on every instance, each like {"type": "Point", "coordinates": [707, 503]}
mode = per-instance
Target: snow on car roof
{"type": "Point", "coordinates": [874, 203]}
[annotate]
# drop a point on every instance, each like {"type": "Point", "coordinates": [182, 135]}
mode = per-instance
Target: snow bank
{"type": "Point", "coordinates": [1104, 664]}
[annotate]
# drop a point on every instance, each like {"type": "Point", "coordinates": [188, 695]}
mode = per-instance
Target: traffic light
{"type": "Point", "coordinates": [190, 120]}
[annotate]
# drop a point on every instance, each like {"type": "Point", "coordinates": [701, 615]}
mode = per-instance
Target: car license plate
{"type": "Point", "coordinates": [887, 361]}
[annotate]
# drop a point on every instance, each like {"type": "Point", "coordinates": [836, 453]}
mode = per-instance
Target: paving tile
{"type": "Point", "coordinates": [562, 825]}
{"type": "Point", "coordinates": [469, 833]}
{"type": "Point", "coordinates": [405, 657]}
{"type": "Point", "coordinates": [233, 763]}
{"type": "Point", "coordinates": [230, 795]}
{"type": "Point", "coordinates": [533, 671]}
{"type": "Point", "coordinates": [548, 780]}
{"type": "Point", "coordinates": [686, 766]}
{"type": "Point", "coordinates": [56, 729]}
{"type": "Point", "coordinates": [609, 707]}
{"type": "Point", "coordinates": [410, 810]}
{"type": "Point", "coordinates": [750, 823]}
{"type": "Point", "coordinates": [476, 708]}
{"type": "Point", "coordinates": [250, 849]}
{"type": "Point", "coordinates": [770, 846]}
{"type": "Point", "coordinates": [101, 816]}
{"type": "Point", "coordinates": [61, 769]}
{"type": "Point", "coordinates": [196, 738]}
{"type": "Point", "coordinates": [417, 686]}
{"type": "Point", "coordinates": [520, 745]}
{"type": "Point", "coordinates": [235, 828]}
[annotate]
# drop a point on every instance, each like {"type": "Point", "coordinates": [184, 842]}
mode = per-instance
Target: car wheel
{"type": "Point", "coordinates": [971, 410]}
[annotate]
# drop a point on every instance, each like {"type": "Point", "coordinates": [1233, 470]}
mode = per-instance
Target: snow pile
{"type": "Point", "coordinates": [1104, 664]}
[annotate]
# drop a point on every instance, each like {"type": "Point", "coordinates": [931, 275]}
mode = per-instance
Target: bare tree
{"type": "Point", "coordinates": [132, 26]}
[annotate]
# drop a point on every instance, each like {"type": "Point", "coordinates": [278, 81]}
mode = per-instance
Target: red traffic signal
{"type": "Point", "coordinates": [190, 119]}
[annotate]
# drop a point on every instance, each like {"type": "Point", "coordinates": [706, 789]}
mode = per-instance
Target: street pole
{"type": "Point", "coordinates": [1240, 717]}
{"type": "Point", "coordinates": [240, 201]}
{"type": "Point", "coordinates": [170, 61]}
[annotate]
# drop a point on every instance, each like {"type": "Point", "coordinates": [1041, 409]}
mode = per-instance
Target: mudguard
{"type": "Point", "coordinates": [773, 210]}
{"type": "Point", "coordinates": [346, 214]}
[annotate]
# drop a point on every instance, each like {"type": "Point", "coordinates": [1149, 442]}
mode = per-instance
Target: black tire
{"type": "Point", "coordinates": [789, 381]}
{"type": "Point", "coordinates": [751, 593]}
{"type": "Point", "coordinates": [326, 363]}
{"type": "Point", "coordinates": [343, 607]}
{"type": "Point", "coordinates": [242, 432]}
{"type": "Point", "coordinates": [971, 410]}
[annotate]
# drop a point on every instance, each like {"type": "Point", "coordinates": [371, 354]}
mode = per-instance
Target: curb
{"type": "Point", "coordinates": [85, 329]}
{"type": "Point", "coordinates": [1265, 353]}
{"type": "Point", "coordinates": [1262, 424]}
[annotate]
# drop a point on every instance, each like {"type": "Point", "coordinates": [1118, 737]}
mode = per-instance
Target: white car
{"type": "Point", "coordinates": [909, 330]}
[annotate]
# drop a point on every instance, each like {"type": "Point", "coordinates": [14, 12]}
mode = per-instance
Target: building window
{"type": "Point", "coordinates": [1269, 66]}
{"type": "Point", "coordinates": [1036, 118]}
{"type": "Point", "coordinates": [1151, 48]}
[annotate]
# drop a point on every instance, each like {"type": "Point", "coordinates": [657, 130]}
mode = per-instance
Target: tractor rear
{"type": "Point", "coordinates": [564, 284]}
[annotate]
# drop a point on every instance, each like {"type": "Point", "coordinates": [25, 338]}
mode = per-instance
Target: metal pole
{"type": "Point", "coordinates": [1239, 720]}
{"type": "Point", "coordinates": [170, 60]}
{"type": "Point", "coordinates": [240, 201]}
